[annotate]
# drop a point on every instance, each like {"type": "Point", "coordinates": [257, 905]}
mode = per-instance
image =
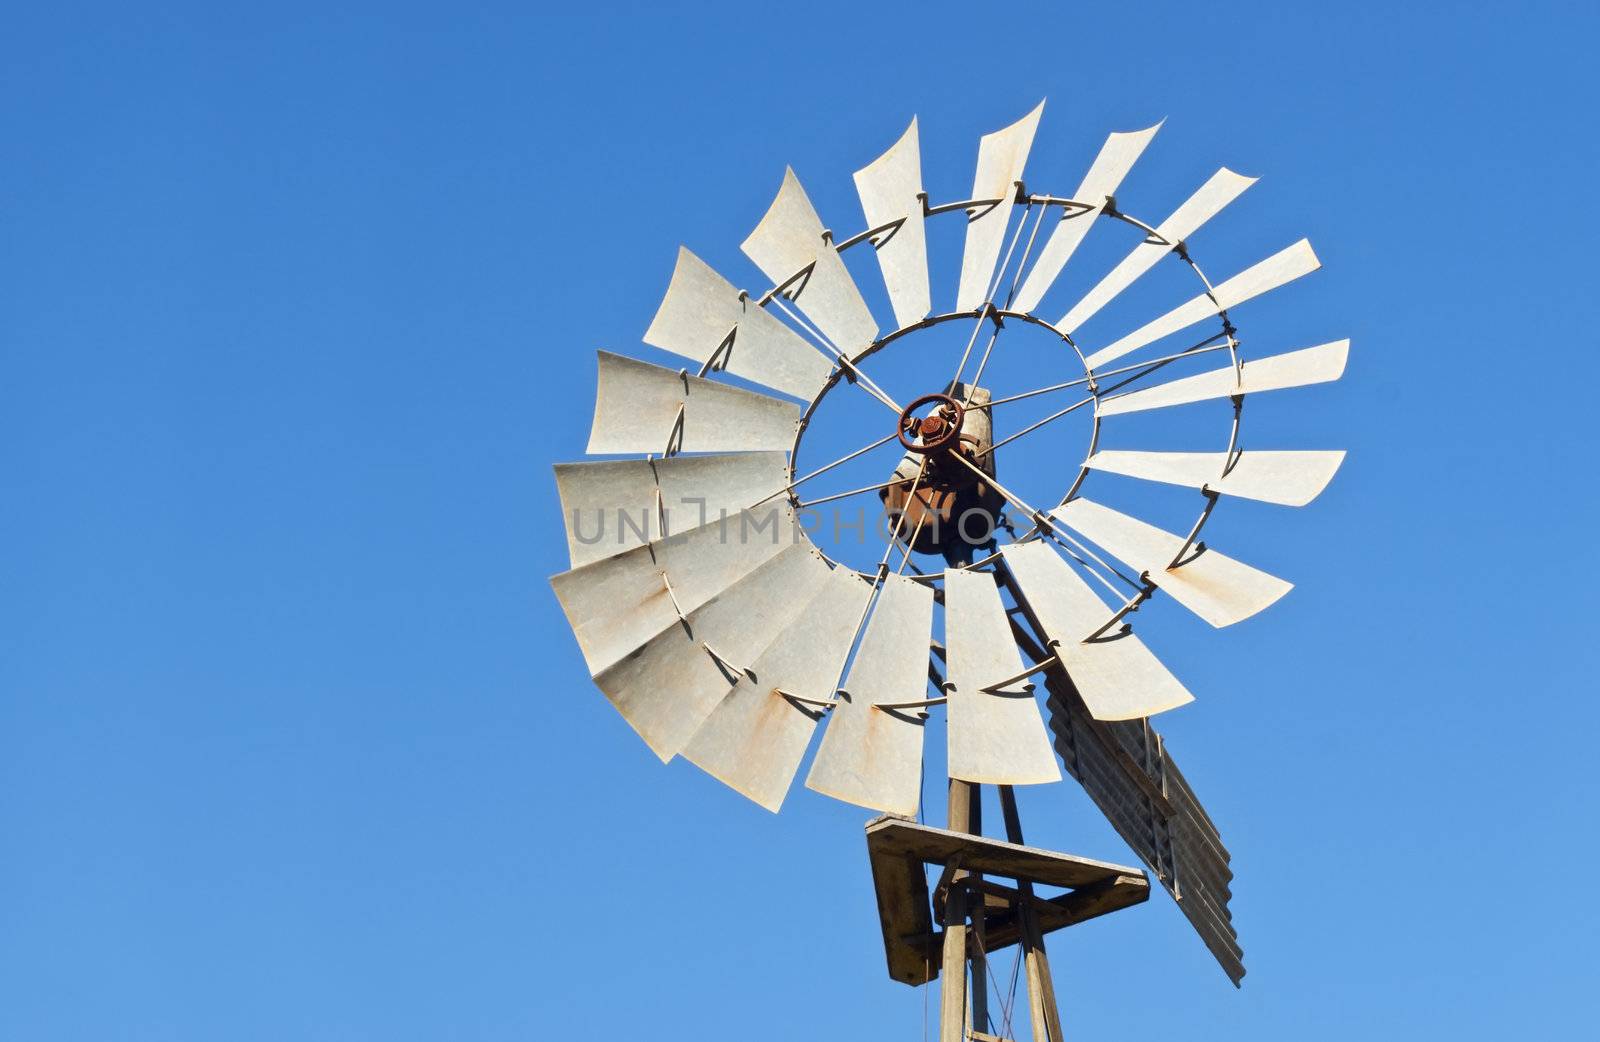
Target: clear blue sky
{"type": "Point", "coordinates": [297, 307]}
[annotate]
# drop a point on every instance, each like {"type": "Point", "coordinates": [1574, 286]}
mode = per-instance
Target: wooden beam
{"type": "Point", "coordinates": [953, 992]}
{"type": "Point", "coordinates": [1045, 1018]}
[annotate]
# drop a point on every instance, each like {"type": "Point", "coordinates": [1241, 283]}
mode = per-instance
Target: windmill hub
{"type": "Point", "coordinates": [935, 431]}
{"type": "Point", "coordinates": [939, 502]}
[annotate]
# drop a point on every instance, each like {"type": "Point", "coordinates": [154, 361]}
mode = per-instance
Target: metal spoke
{"type": "Point", "coordinates": [1203, 347]}
{"type": "Point", "coordinates": [1045, 521]}
{"type": "Point", "coordinates": [791, 486]}
{"type": "Point", "coordinates": [865, 382]}
{"type": "Point", "coordinates": [1011, 292]}
{"type": "Point", "coordinates": [1048, 419]}
{"type": "Point", "coordinates": [899, 522]}
{"type": "Point", "coordinates": [846, 495]}
{"type": "Point", "coordinates": [988, 305]}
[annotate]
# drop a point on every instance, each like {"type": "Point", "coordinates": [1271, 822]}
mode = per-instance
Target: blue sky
{"type": "Point", "coordinates": [299, 306]}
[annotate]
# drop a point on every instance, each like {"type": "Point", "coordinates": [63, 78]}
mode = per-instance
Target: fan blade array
{"type": "Point", "coordinates": [891, 195]}
{"type": "Point", "coordinates": [789, 247]}
{"type": "Point", "coordinates": [1001, 157]}
{"type": "Point", "coordinates": [639, 407]}
{"type": "Point", "coordinates": [617, 604]}
{"type": "Point", "coordinates": [1116, 158]}
{"type": "Point", "coordinates": [705, 318]}
{"type": "Point", "coordinates": [1219, 589]}
{"type": "Point", "coordinates": [1224, 187]}
{"type": "Point", "coordinates": [872, 756]}
{"type": "Point", "coordinates": [1288, 478]}
{"type": "Point", "coordinates": [754, 740]}
{"type": "Point", "coordinates": [1312, 365]}
{"type": "Point", "coordinates": [1116, 675]}
{"type": "Point", "coordinates": [612, 506]}
{"type": "Point", "coordinates": [667, 688]}
{"type": "Point", "coordinates": [996, 735]}
{"type": "Point", "coordinates": [1279, 269]}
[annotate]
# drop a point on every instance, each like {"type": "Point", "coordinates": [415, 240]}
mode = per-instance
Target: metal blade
{"type": "Point", "coordinates": [754, 740]}
{"type": "Point", "coordinates": [996, 737]}
{"type": "Point", "coordinates": [1001, 157]}
{"type": "Point", "coordinates": [1117, 676]}
{"type": "Point", "coordinates": [891, 192]}
{"type": "Point", "coordinates": [1223, 188]}
{"type": "Point", "coordinates": [1116, 158]}
{"type": "Point", "coordinates": [1289, 478]}
{"type": "Point", "coordinates": [1312, 365]}
{"type": "Point", "coordinates": [705, 318]}
{"type": "Point", "coordinates": [667, 688]}
{"type": "Point", "coordinates": [1219, 589]}
{"type": "Point", "coordinates": [612, 506]}
{"type": "Point", "coordinates": [789, 241]}
{"type": "Point", "coordinates": [869, 756]}
{"type": "Point", "coordinates": [609, 507]}
{"type": "Point", "coordinates": [639, 407]}
{"type": "Point", "coordinates": [1279, 269]}
{"type": "Point", "coordinates": [617, 604]}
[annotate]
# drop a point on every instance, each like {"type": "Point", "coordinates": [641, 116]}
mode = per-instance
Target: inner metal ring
{"type": "Point", "coordinates": [1092, 388]}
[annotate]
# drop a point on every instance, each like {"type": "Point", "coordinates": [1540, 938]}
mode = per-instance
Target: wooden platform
{"type": "Point", "coordinates": [899, 849]}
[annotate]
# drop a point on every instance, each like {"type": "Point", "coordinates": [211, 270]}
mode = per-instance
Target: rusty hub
{"type": "Point", "coordinates": [934, 432]}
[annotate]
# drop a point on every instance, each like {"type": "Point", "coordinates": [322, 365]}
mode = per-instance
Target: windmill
{"type": "Point", "coordinates": [724, 634]}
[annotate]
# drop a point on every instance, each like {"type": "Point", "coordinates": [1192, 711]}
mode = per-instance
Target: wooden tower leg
{"type": "Point", "coordinates": [1042, 1008]}
{"type": "Point", "coordinates": [953, 970]}
{"type": "Point", "coordinates": [962, 943]}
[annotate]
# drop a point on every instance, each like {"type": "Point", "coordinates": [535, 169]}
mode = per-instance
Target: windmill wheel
{"type": "Point", "coordinates": [721, 631]}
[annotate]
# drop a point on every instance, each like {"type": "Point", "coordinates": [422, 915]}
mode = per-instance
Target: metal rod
{"type": "Point", "coordinates": [820, 703]}
{"type": "Point", "coordinates": [988, 310]}
{"type": "Point", "coordinates": [724, 663]}
{"type": "Point", "coordinates": [899, 522]}
{"type": "Point", "coordinates": [839, 356]}
{"type": "Point", "coordinates": [965, 204]}
{"type": "Point", "coordinates": [1204, 347]}
{"type": "Point", "coordinates": [1037, 667]}
{"type": "Point", "coordinates": [1041, 518]}
{"type": "Point", "coordinates": [905, 560]}
{"type": "Point", "coordinates": [1053, 417]}
{"type": "Point", "coordinates": [1044, 1013]}
{"type": "Point", "coordinates": [919, 704]}
{"type": "Point", "coordinates": [846, 495]}
{"type": "Point", "coordinates": [791, 486]}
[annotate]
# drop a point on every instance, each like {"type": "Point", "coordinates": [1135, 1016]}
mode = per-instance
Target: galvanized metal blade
{"type": "Point", "coordinates": [1116, 158]}
{"type": "Point", "coordinates": [754, 740]}
{"type": "Point", "coordinates": [788, 246]}
{"type": "Point", "coordinates": [1001, 158]}
{"type": "Point", "coordinates": [1117, 676]}
{"type": "Point", "coordinates": [1288, 478]}
{"type": "Point", "coordinates": [667, 688]}
{"type": "Point", "coordinates": [891, 194]}
{"type": "Point", "coordinates": [1224, 187]}
{"type": "Point", "coordinates": [872, 756]}
{"type": "Point", "coordinates": [639, 407]}
{"type": "Point", "coordinates": [617, 604]}
{"type": "Point", "coordinates": [1279, 269]}
{"type": "Point", "coordinates": [612, 506]}
{"type": "Point", "coordinates": [1219, 589]}
{"type": "Point", "coordinates": [1312, 365]}
{"type": "Point", "coordinates": [608, 507]}
{"type": "Point", "coordinates": [996, 736]}
{"type": "Point", "coordinates": [704, 317]}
